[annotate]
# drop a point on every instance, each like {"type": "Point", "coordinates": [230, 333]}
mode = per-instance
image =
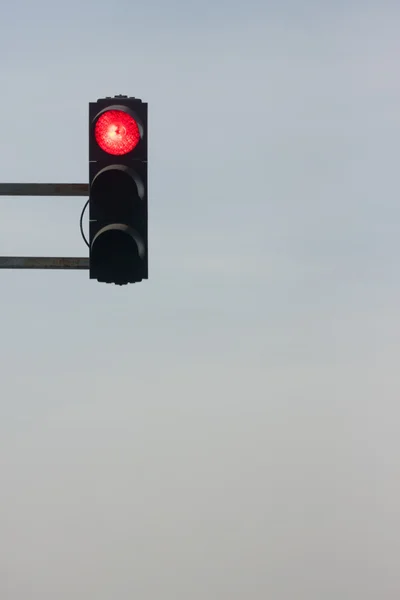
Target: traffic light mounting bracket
{"type": "Point", "coordinates": [44, 189]}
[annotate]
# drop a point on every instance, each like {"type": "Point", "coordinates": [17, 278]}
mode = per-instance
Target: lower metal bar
{"type": "Point", "coordinates": [34, 262]}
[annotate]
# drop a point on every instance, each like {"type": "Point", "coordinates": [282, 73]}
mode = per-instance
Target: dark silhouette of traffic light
{"type": "Point", "coordinates": [118, 190]}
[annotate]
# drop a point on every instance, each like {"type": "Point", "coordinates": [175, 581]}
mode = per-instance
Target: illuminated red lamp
{"type": "Point", "coordinates": [116, 132]}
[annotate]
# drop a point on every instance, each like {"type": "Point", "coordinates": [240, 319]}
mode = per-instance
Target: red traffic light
{"type": "Point", "coordinates": [116, 132]}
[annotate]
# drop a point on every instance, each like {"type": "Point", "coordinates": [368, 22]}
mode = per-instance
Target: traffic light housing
{"type": "Point", "coordinates": [118, 190]}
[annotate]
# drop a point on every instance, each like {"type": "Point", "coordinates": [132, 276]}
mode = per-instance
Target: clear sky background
{"type": "Point", "coordinates": [228, 430]}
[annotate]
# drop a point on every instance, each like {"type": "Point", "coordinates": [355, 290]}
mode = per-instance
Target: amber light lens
{"type": "Point", "coordinates": [116, 132]}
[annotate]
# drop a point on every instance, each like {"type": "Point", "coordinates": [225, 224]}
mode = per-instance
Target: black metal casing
{"type": "Point", "coordinates": [118, 195]}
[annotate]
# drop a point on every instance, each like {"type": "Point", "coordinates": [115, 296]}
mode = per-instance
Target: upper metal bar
{"type": "Point", "coordinates": [44, 189]}
{"type": "Point", "coordinates": [47, 262]}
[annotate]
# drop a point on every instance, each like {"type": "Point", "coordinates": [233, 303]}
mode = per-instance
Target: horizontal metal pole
{"type": "Point", "coordinates": [47, 262]}
{"type": "Point", "coordinates": [44, 189]}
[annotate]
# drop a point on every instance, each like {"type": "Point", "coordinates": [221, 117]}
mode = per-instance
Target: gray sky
{"type": "Point", "coordinates": [228, 430]}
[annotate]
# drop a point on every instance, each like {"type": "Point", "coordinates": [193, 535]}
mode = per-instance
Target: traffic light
{"type": "Point", "coordinates": [118, 190]}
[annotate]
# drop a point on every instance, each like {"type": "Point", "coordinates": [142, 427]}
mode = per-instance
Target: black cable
{"type": "Point", "coordinates": [81, 224]}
